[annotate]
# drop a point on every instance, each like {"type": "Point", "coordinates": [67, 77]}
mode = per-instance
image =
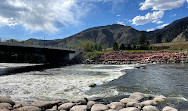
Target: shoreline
{"type": "Point", "coordinates": [135, 102]}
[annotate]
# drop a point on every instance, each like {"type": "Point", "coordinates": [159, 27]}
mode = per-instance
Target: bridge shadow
{"type": "Point", "coordinates": [41, 67]}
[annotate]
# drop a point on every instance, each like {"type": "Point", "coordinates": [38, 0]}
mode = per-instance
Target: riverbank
{"type": "Point", "coordinates": [135, 102]}
{"type": "Point", "coordinates": [119, 57]}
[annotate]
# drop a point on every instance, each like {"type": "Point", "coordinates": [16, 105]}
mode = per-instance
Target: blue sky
{"type": "Point", "coordinates": [56, 19]}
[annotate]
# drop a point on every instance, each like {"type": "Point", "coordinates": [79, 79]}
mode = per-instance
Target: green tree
{"type": "Point", "coordinates": [142, 41]}
{"type": "Point", "coordinates": [115, 46]}
{"type": "Point", "coordinates": [122, 47]}
{"type": "Point", "coordinates": [87, 46]}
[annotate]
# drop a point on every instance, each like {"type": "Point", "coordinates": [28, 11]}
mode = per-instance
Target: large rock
{"type": "Point", "coordinates": [81, 101]}
{"type": "Point", "coordinates": [66, 106]}
{"type": "Point", "coordinates": [168, 108]}
{"type": "Point", "coordinates": [148, 103]}
{"type": "Point", "coordinates": [159, 100]}
{"type": "Point", "coordinates": [90, 104]}
{"type": "Point", "coordinates": [110, 110]}
{"type": "Point", "coordinates": [6, 100]}
{"type": "Point", "coordinates": [29, 108]}
{"type": "Point", "coordinates": [4, 110]}
{"type": "Point", "coordinates": [150, 108]}
{"type": "Point", "coordinates": [54, 108]}
{"type": "Point", "coordinates": [5, 106]}
{"type": "Point", "coordinates": [79, 108]}
{"type": "Point", "coordinates": [42, 104]}
{"type": "Point", "coordinates": [116, 106]}
{"type": "Point", "coordinates": [133, 104]}
{"type": "Point", "coordinates": [139, 96]}
{"type": "Point", "coordinates": [18, 105]}
{"type": "Point", "coordinates": [127, 100]}
{"type": "Point", "coordinates": [99, 107]}
{"type": "Point", "coordinates": [130, 109]}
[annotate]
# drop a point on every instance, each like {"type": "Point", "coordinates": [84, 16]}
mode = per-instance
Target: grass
{"type": "Point", "coordinates": [172, 47]}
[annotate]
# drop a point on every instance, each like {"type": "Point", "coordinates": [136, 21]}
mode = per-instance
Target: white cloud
{"type": "Point", "coordinates": [149, 17]}
{"type": "Point", "coordinates": [150, 30]}
{"type": "Point", "coordinates": [173, 15]}
{"type": "Point", "coordinates": [120, 22]}
{"type": "Point", "coordinates": [161, 4]}
{"type": "Point", "coordinates": [161, 26]}
{"type": "Point", "coordinates": [157, 22]}
{"type": "Point", "coordinates": [39, 15]}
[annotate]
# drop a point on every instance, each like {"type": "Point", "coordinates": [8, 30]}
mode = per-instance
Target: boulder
{"type": "Point", "coordinates": [54, 108]}
{"type": "Point", "coordinates": [42, 104]}
{"type": "Point", "coordinates": [148, 103]}
{"type": "Point", "coordinates": [6, 100]}
{"type": "Point", "coordinates": [90, 104]}
{"type": "Point", "coordinates": [5, 106]}
{"type": "Point", "coordinates": [133, 104]}
{"type": "Point", "coordinates": [18, 105]}
{"type": "Point", "coordinates": [130, 109]}
{"type": "Point", "coordinates": [168, 108]}
{"type": "Point", "coordinates": [66, 106]}
{"type": "Point", "coordinates": [127, 100]}
{"type": "Point", "coordinates": [29, 108]}
{"type": "Point", "coordinates": [79, 108]}
{"type": "Point", "coordinates": [110, 110]}
{"type": "Point", "coordinates": [159, 100]}
{"type": "Point", "coordinates": [99, 107]}
{"type": "Point", "coordinates": [116, 106]}
{"type": "Point", "coordinates": [139, 96]}
{"type": "Point", "coordinates": [81, 101]}
{"type": "Point", "coordinates": [150, 108]}
{"type": "Point", "coordinates": [4, 110]}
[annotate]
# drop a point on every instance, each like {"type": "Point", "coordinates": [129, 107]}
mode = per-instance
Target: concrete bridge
{"type": "Point", "coordinates": [52, 54]}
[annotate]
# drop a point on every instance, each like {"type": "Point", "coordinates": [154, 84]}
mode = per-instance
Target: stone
{"type": "Point", "coordinates": [81, 101]}
{"type": "Point", "coordinates": [5, 106]}
{"type": "Point", "coordinates": [42, 104]}
{"type": "Point", "coordinates": [66, 106]}
{"type": "Point", "coordinates": [90, 104]}
{"type": "Point", "coordinates": [133, 104]}
{"type": "Point", "coordinates": [168, 108]}
{"type": "Point", "coordinates": [130, 109]}
{"type": "Point", "coordinates": [29, 108]}
{"type": "Point", "coordinates": [54, 108]}
{"type": "Point", "coordinates": [150, 108]}
{"type": "Point", "coordinates": [116, 106]}
{"type": "Point", "coordinates": [79, 108]}
{"type": "Point", "coordinates": [110, 110]}
{"type": "Point", "coordinates": [127, 100]}
{"type": "Point", "coordinates": [139, 96]}
{"type": "Point", "coordinates": [4, 110]}
{"type": "Point", "coordinates": [148, 103]}
{"type": "Point", "coordinates": [99, 107]}
{"type": "Point", "coordinates": [159, 100]}
{"type": "Point", "coordinates": [6, 100]}
{"type": "Point", "coordinates": [17, 105]}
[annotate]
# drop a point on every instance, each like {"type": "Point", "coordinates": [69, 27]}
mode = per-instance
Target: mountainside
{"type": "Point", "coordinates": [107, 35]}
{"type": "Point", "coordinates": [168, 33]}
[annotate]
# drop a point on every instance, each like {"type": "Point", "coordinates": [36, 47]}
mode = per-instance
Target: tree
{"type": "Point", "coordinates": [142, 41]}
{"type": "Point", "coordinates": [122, 47]}
{"type": "Point", "coordinates": [115, 46]}
{"type": "Point", "coordinates": [128, 47]}
{"type": "Point", "coordinates": [87, 46]}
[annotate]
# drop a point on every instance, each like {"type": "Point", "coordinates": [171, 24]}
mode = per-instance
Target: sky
{"type": "Point", "coordinates": [57, 19]}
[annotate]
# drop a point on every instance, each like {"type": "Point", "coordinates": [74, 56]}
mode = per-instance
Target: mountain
{"type": "Point", "coordinates": [170, 32]}
{"type": "Point", "coordinates": [107, 35]}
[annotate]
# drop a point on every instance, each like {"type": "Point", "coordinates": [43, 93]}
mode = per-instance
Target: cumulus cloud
{"type": "Point", "coordinates": [161, 4]}
{"type": "Point", "coordinates": [157, 22]}
{"type": "Point", "coordinates": [39, 15]}
{"type": "Point", "coordinates": [161, 26]}
{"type": "Point", "coordinates": [149, 17]}
{"type": "Point", "coordinates": [150, 30]}
{"type": "Point", "coordinates": [120, 22]}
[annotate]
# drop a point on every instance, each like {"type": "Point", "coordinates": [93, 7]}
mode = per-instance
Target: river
{"type": "Point", "coordinates": [113, 81]}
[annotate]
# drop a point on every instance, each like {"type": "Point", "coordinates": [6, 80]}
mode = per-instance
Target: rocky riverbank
{"type": "Point", "coordinates": [136, 102]}
{"type": "Point", "coordinates": [118, 57]}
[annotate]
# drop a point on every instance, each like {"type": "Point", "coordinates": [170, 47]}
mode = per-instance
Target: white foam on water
{"type": "Point", "coordinates": [69, 82]}
{"type": "Point", "coordinates": [14, 65]}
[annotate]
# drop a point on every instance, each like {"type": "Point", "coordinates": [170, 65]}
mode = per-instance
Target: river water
{"type": "Point", "coordinates": [113, 81]}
